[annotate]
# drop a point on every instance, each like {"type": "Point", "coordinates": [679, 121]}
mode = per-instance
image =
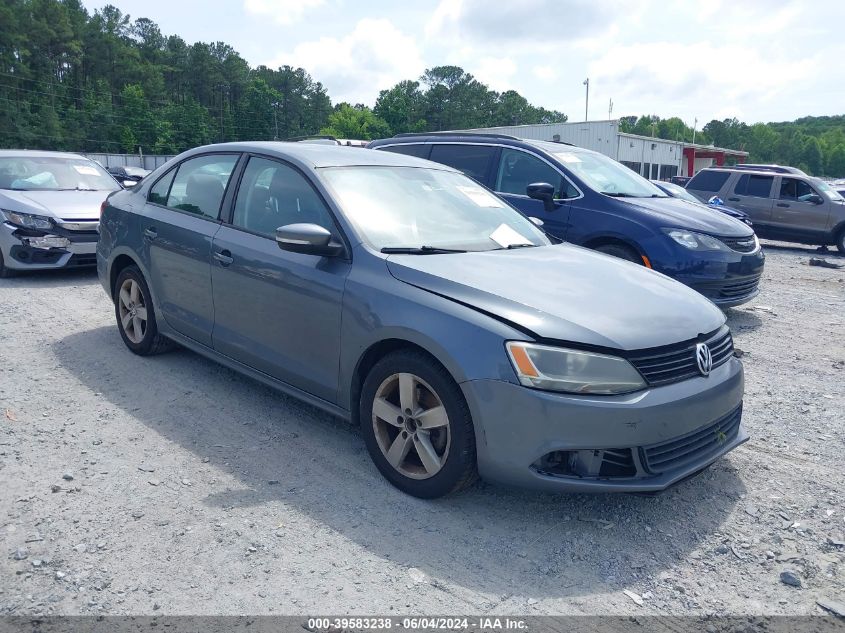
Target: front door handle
{"type": "Point", "coordinates": [150, 233]}
{"type": "Point", "coordinates": [733, 199]}
{"type": "Point", "coordinates": [224, 257]}
{"type": "Point", "coordinates": [783, 204]}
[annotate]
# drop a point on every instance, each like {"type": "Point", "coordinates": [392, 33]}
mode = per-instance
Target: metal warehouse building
{"type": "Point", "coordinates": [653, 158]}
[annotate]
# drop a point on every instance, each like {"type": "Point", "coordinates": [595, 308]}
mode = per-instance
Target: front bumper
{"type": "Point", "coordinates": [640, 442]}
{"type": "Point", "coordinates": [20, 254]}
{"type": "Point", "coordinates": [726, 278]}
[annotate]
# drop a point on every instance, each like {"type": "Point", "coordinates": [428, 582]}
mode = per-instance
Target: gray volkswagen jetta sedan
{"type": "Point", "coordinates": [402, 295]}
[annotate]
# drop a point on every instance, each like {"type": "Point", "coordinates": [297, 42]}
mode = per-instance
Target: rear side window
{"type": "Point", "coordinates": [754, 185]}
{"type": "Point", "coordinates": [200, 183]}
{"type": "Point", "coordinates": [708, 180]}
{"type": "Point", "coordinates": [473, 160]}
{"type": "Point", "coordinates": [417, 149]}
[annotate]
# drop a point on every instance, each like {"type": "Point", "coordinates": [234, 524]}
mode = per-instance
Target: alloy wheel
{"type": "Point", "coordinates": [411, 426]}
{"type": "Point", "coordinates": [132, 310]}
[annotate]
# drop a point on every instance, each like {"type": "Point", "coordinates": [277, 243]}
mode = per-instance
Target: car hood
{"type": "Point", "coordinates": [64, 205]}
{"type": "Point", "coordinates": [566, 293]}
{"type": "Point", "coordinates": [677, 213]}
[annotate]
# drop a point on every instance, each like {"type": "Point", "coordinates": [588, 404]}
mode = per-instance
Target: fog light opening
{"type": "Point", "coordinates": [599, 463]}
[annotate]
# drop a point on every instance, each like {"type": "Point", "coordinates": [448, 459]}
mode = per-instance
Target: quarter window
{"type": "Point", "coordinates": [518, 169]}
{"type": "Point", "coordinates": [417, 149]}
{"type": "Point", "coordinates": [708, 181]}
{"type": "Point", "coordinates": [473, 160]}
{"type": "Point", "coordinates": [200, 183]}
{"type": "Point", "coordinates": [272, 194]}
{"type": "Point", "coordinates": [754, 186]}
{"type": "Point", "coordinates": [158, 192]}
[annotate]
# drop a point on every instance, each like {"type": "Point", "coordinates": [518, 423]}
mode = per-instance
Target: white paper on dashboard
{"type": "Point", "coordinates": [505, 236]}
{"type": "Point", "coordinates": [480, 197]}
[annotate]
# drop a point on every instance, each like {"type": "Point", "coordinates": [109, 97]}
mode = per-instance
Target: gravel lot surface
{"type": "Point", "coordinates": [171, 485]}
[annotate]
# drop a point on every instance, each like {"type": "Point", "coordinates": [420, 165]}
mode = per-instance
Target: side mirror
{"type": "Point", "coordinates": [815, 199]}
{"type": "Point", "coordinates": [310, 239]}
{"type": "Point", "coordinates": [128, 184]}
{"type": "Point", "coordinates": [544, 192]}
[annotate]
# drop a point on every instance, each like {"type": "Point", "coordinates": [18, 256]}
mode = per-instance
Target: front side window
{"type": "Point", "coordinates": [200, 183]}
{"type": "Point", "coordinates": [473, 160]}
{"type": "Point", "coordinates": [53, 173]}
{"type": "Point", "coordinates": [518, 169]}
{"type": "Point", "coordinates": [272, 195]}
{"type": "Point", "coordinates": [754, 185]}
{"type": "Point", "coordinates": [408, 207]}
{"type": "Point", "coordinates": [794, 189]}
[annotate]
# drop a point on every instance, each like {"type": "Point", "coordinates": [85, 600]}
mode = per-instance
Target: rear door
{"type": "Point", "coordinates": [794, 210]}
{"type": "Point", "coordinates": [516, 170]}
{"type": "Point", "coordinates": [276, 311]}
{"type": "Point", "coordinates": [180, 220]}
{"type": "Point", "coordinates": [753, 193]}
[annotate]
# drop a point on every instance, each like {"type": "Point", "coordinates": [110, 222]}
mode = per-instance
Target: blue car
{"type": "Point", "coordinates": [676, 191]}
{"type": "Point", "coordinates": [586, 198]}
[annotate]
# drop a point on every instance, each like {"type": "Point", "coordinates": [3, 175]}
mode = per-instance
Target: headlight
{"type": "Point", "coordinates": [26, 220]}
{"type": "Point", "coordinates": [572, 371]}
{"type": "Point", "coordinates": [696, 241]}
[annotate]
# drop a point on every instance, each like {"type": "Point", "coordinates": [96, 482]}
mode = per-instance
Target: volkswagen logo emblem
{"type": "Point", "coordinates": [703, 358]}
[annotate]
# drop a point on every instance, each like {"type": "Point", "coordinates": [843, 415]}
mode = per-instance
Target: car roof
{"type": "Point", "coordinates": [552, 147]}
{"type": "Point", "coordinates": [37, 153]}
{"type": "Point", "coordinates": [317, 155]}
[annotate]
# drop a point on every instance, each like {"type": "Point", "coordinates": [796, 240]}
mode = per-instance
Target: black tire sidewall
{"type": "Point", "coordinates": [621, 252]}
{"type": "Point", "coordinates": [461, 456]}
{"type": "Point", "coordinates": [145, 347]}
{"type": "Point", "coordinates": [840, 242]}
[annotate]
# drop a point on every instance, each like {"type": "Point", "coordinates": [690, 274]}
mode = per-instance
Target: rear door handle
{"type": "Point", "coordinates": [783, 204]}
{"type": "Point", "coordinates": [733, 199]}
{"type": "Point", "coordinates": [150, 233]}
{"type": "Point", "coordinates": [224, 257]}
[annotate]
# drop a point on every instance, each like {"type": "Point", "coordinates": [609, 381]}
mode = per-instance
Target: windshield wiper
{"type": "Point", "coordinates": [419, 250]}
{"type": "Point", "coordinates": [513, 246]}
{"type": "Point", "coordinates": [74, 189]}
{"type": "Point", "coordinates": [616, 194]}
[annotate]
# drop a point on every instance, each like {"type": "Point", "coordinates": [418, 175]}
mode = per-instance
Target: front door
{"type": "Point", "coordinates": [179, 221]}
{"type": "Point", "coordinates": [798, 210]}
{"type": "Point", "coordinates": [516, 170]}
{"type": "Point", "coordinates": [276, 311]}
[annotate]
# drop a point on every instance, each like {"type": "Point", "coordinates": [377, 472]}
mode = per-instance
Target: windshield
{"type": "Point", "coordinates": [53, 174]}
{"type": "Point", "coordinates": [606, 176]}
{"type": "Point", "coordinates": [829, 191]}
{"type": "Point", "coordinates": [676, 191]}
{"type": "Point", "coordinates": [410, 207]}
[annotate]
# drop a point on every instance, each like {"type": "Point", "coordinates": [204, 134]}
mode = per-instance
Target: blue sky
{"type": "Point", "coordinates": [758, 60]}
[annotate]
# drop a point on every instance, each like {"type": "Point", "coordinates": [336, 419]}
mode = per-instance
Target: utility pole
{"type": "Point", "coordinates": [275, 105]}
{"type": "Point", "coordinates": [587, 103]}
{"type": "Point", "coordinates": [610, 110]}
{"type": "Point", "coordinates": [694, 125]}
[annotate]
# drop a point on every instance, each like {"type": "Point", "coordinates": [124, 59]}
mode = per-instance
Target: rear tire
{"type": "Point", "coordinates": [5, 272]}
{"type": "Point", "coordinates": [135, 314]}
{"type": "Point", "coordinates": [417, 426]}
{"type": "Point", "coordinates": [840, 242]}
{"type": "Point", "coordinates": [622, 252]}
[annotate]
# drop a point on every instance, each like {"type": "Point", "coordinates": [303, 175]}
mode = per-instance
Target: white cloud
{"type": "Point", "coordinates": [282, 11]}
{"type": "Point", "coordinates": [354, 68]}
{"type": "Point", "coordinates": [544, 73]}
{"type": "Point", "coordinates": [496, 72]}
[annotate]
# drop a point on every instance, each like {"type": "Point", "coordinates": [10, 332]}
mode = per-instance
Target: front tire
{"type": "Point", "coordinates": [136, 320]}
{"type": "Point", "coordinates": [417, 426]}
{"type": "Point", "coordinates": [5, 272]}
{"type": "Point", "coordinates": [622, 252]}
{"type": "Point", "coordinates": [840, 242]}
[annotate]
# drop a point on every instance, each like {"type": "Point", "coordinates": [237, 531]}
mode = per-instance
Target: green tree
{"type": "Point", "coordinates": [355, 123]}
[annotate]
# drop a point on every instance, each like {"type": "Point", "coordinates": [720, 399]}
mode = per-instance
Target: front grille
{"type": "Point", "coordinates": [82, 259]}
{"type": "Point", "coordinates": [672, 363]}
{"type": "Point", "coordinates": [740, 244]}
{"type": "Point", "coordinates": [599, 463]}
{"type": "Point", "coordinates": [692, 447]}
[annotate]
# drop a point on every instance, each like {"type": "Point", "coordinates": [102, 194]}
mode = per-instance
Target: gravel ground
{"type": "Point", "coordinates": [171, 485]}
